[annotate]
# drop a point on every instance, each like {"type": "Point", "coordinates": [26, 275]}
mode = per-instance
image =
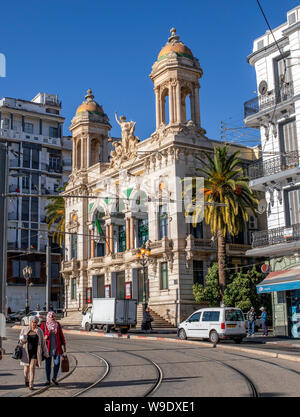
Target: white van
{"type": "Point", "coordinates": [214, 324]}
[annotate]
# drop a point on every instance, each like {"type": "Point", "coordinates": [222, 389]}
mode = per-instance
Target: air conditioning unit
{"type": "Point", "coordinates": [252, 222]}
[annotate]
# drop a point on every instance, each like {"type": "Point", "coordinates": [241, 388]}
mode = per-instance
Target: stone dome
{"type": "Point", "coordinates": [174, 45]}
{"type": "Point", "coordinates": [90, 105]}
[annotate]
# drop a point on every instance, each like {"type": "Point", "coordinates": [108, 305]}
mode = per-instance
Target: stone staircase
{"type": "Point", "coordinates": [73, 318]}
{"type": "Point", "coordinates": [159, 322]}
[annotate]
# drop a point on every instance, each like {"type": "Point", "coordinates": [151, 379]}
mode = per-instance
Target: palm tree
{"type": "Point", "coordinates": [55, 213]}
{"type": "Point", "coordinates": [227, 196]}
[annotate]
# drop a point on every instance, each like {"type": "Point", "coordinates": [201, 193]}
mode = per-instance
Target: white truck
{"type": "Point", "coordinates": [110, 313]}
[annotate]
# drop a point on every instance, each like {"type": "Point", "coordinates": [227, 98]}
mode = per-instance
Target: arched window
{"type": "Point", "coordinates": [186, 105]}
{"type": "Point", "coordinates": [95, 157]}
{"type": "Point", "coordinates": [165, 106]}
{"type": "Point", "coordinates": [99, 234]}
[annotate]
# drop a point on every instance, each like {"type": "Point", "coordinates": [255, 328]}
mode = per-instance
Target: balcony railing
{"type": "Point", "coordinates": [274, 165]}
{"type": "Point", "coordinates": [275, 236]}
{"type": "Point", "coordinates": [269, 99]}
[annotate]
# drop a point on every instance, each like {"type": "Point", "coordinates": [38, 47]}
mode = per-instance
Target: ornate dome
{"type": "Point", "coordinates": [174, 45]}
{"type": "Point", "coordinates": [90, 105]}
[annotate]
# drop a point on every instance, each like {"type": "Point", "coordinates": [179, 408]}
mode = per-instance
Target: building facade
{"type": "Point", "coordinates": [276, 112]}
{"type": "Point", "coordinates": [39, 164]}
{"type": "Point", "coordinates": [127, 193]}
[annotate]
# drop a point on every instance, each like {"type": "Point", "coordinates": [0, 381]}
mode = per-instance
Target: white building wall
{"type": "Point", "coordinates": [16, 297]}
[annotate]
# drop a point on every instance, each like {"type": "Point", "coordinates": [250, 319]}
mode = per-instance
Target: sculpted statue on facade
{"type": "Point", "coordinates": [126, 149]}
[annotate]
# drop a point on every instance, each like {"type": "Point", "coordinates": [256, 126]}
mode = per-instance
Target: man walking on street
{"type": "Point", "coordinates": [251, 317]}
{"type": "Point", "coordinates": [263, 318]}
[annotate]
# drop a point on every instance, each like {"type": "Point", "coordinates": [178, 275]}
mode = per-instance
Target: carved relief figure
{"type": "Point", "coordinates": [127, 148]}
{"type": "Point", "coordinates": [127, 129]}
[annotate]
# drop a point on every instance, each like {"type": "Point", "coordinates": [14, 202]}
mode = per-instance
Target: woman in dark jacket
{"type": "Point", "coordinates": [56, 345]}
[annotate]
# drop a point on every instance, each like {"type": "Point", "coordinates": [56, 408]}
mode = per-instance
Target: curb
{"type": "Point", "coordinates": [186, 342]}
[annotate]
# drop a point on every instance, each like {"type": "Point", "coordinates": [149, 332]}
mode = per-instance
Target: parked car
{"type": "Point", "coordinates": [17, 316]}
{"type": "Point", "coordinates": [40, 314]}
{"type": "Point", "coordinates": [214, 324]}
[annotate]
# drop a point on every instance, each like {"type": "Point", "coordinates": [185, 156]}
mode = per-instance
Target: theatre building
{"type": "Point", "coordinates": [126, 193]}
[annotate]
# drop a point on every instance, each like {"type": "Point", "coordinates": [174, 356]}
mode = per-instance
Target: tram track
{"type": "Point", "coordinates": [251, 385]}
{"type": "Point", "coordinates": [97, 383]}
{"type": "Point", "coordinates": [159, 373]}
{"type": "Point", "coordinates": [285, 368]}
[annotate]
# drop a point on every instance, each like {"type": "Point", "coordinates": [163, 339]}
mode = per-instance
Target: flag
{"type": "Point", "coordinates": [99, 229]}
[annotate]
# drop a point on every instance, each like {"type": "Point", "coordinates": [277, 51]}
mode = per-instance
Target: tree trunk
{"type": "Point", "coordinates": [221, 261]}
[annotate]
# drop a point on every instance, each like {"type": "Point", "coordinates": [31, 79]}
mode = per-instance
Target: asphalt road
{"type": "Point", "coordinates": [111, 367]}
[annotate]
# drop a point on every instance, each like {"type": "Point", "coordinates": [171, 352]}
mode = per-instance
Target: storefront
{"type": "Point", "coordinates": [284, 287]}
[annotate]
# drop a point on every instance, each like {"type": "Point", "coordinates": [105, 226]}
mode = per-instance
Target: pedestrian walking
{"type": "Point", "coordinates": [33, 346]}
{"type": "Point", "coordinates": [51, 307]}
{"type": "Point", "coordinates": [147, 319]}
{"type": "Point", "coordinates": [263, 318]}
{"type": "Point", "coordinates": [38, 307]}
{"type": "Point", "coordinates": [56, 345]}
{"type": "Point", "coordinates": [251, 317]}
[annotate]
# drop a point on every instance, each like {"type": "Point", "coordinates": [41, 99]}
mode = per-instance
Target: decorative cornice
{"type": "Point", "coordinates": [267, 50]}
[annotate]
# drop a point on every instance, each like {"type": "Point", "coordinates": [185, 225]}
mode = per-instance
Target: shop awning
{"type": "Point", "coordinates": [280, 281]}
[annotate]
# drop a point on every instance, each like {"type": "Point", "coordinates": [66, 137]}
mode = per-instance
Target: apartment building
{"type": "Point", "coordinates": [276, 112]}
{"type": "Point", "coordinates": [39, 164]}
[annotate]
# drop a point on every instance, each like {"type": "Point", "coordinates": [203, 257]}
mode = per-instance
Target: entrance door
{"type": "Point", "coordinates": [120, 285]}
{"type": "Point", "coordinates": [141, 286]}
{"type": "Point", "coordinates": [100, 286]}
{"type": "Point", "coordinates": [294, 316]}
{"type": "Point", "coordinates": [280, 318]}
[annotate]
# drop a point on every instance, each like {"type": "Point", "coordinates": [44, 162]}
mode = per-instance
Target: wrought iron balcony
{"type": "Point", "coordinates": [273, 165]}
{"type": "Point", "coordinates": [275, 236]}
{"type": "Point", "coordinates": [269, 99]}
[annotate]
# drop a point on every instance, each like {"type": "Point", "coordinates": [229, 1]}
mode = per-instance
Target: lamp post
{"type": "Point", "coordinates": [144, 258]}
{"type": "Point", "coordinates": [27, 271]}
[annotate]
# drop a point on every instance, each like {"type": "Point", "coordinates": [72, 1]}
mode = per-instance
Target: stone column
{"type": "Point", "coordinates": [171, 115]}
{"type": "Point", "coordinates": [128, 234]}
{"type": "Point", "coordinates": [192, 100]}
{"type": "Point", "coordinates": [157, 107]}
{"type": "Point", "coordinates": [131, 228]}
{"type": "Point", "coordinates": [92, 244]}
{"type": "Point", "coordinates": [88, 152]}
{"type": "Point", "coordinates": [74, 156]}
{"type": "Point", "coordinates": [108, 239]}
{"type": "Point", "coordinates": [162, 108]}
{"type": "Point", "coordinates": [82, 152]}
{"type": "Point", "coordinates": [111, 240]}
{"type": "Point", "coordinates": [197, 106]}
{"type": "Point", "coordinates": [178, 102]}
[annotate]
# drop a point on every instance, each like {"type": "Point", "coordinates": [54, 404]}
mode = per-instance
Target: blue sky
{"type": "Point", "coordinates": [65, 47]}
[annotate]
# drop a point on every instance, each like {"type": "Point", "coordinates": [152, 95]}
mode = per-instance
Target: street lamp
{"type": "Point", "coordinates": [143, 256]}
{"type": "Point", "coordinates": [27, 271]}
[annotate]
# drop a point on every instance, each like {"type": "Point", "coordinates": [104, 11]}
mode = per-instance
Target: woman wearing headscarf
{"type": "Point", "coordinates": [56, 345]}
{"type": "Point", "coordinates": [33, 346]}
